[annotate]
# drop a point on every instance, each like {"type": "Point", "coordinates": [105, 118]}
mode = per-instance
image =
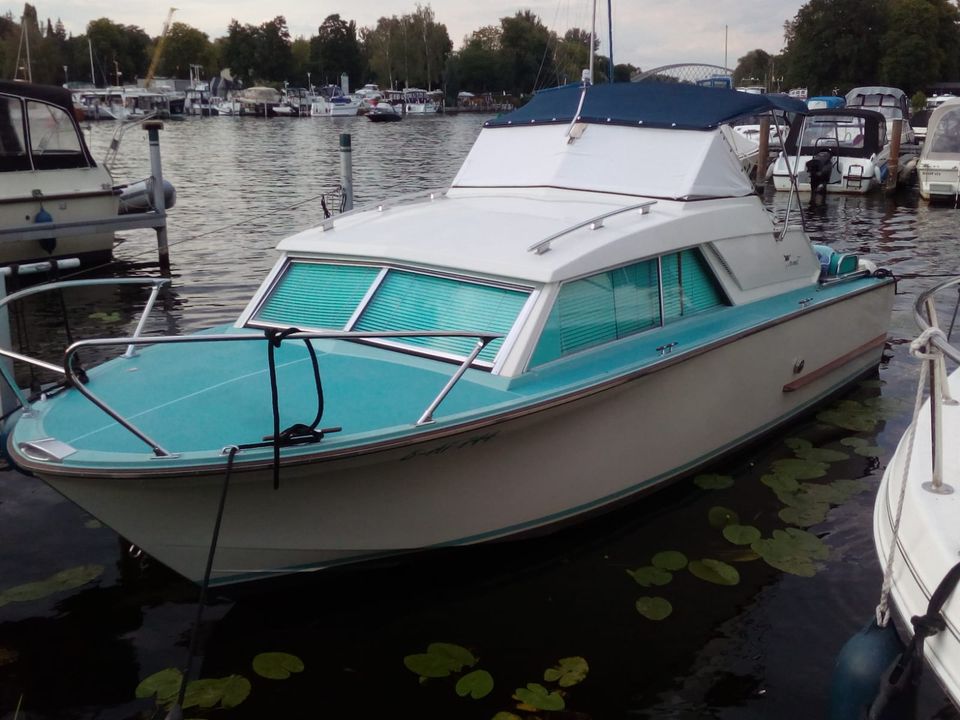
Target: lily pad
{"type": "Point", "coordinates": [64, 580]}
{"type": "Point", "coordinates": [650, 575]}
{"type": "Point", "coordinates": [476, 684]}
{"type": "Point", "coordinates": [870, 451]}
{"type": "Point", "coordinates": [849, 488]}
{"type": "Point", "coordinates": [654, 608]}
{"type": "Point", "coordinates": [796, 443]}
{"type": "Point", "coordinates": [713, 482]}
{"type": "Point", "coordinates": [112, 317]}
{"type": "Point", "coordinates": [276, 665]}
{"type": "Point", "coordinates": [741, 534]}
{"type": "Point", "coordinates": [538, 697]}
{"type": "Point", "coordinates": [800, 469]}
{"type": "Point", "coordinates": [669, 560]}
{"type": "Point", "coordinates": [821, 494]}
{"type": "Point", "coordinates": [780, 483]}
{"type": "Point", "coordinates": [569, 671]}
{"type": "Point", "coordinates": [165, 685]}
{"type": "Point", "coordinates": [440, 660]}
{"type": "Point", "coordinates": [503, 715]}
{"type": "Point", "coordinates": [805, 541]}
{"type": "Point", "coordinates": [823, 455]}
{"type": "Point", "coordinates": [804, 517]}
{"type": "Point", "coordinates": [719, 517]}
{"type": "Point", "coordinates": [851, 415]}
{"type": "Point", "coordinates": [793, 551]}
{"type": "Point", "coordinates": [715, 571]}
{"type": "Point", "coordinates": [854, 442]}
{"type": "Point", "coordinates": [234, 691]}
{"type": "Point", "coordinates": [226, 692]}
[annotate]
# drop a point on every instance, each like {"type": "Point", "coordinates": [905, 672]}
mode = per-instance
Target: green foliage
{"type": "Point", "coordinates": [539, 698]}
{"type": "Point", "coordinates": [793, 551]}
{"type": "Point", "coordinates": [741, 534]}
{"type": "Point", "coordinates": [715, 571]}
{"type": "Point", "coordinates": [568, 672]}
{"type": "Point", "coordinates": [719, 517]}
{"type": "Point", "coordinates": [227, 692]}
{"type": "Point", "coordinates": [476, 684]}
{"type": "Point", "coordinates": [654, 608]}
{"type": "Point", "coordinates": [64, 580]}
{"type": "Point", "coordinates": [336, 49]}
{"type": "Point", "coordinates": [276, 665]}
{"type": "Point", "coordinates": [440, 660]}
{"type": "Point", "coordinates": [672, 560]}
{"type": "Point", "coordinates": [650, 575]}
{"type": "Point", "coordinates": [713, 482]}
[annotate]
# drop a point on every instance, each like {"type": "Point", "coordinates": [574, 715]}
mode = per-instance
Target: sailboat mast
{"type": "Point", "coordinates": [593, 34]}
{"type": "Point", "coordinates": [93, 77]}
{"type": "Point", "coordinates": [610, 31]}
{"type": "Point", "coordinates": [26, 32]}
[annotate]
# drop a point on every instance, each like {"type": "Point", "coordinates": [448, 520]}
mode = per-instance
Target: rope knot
{"type": "Point", "coordinates": [275, 337]}
{"type": "Point", "coordinates": [927, 625]}
{"type": "Point", "coordinates": [921, 348]}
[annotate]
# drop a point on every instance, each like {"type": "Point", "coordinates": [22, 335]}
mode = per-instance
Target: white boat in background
{"type": "Point", "coordinates": [915, 526]}
{"type": "Point", "coordinates": [890, 102]}
{"type": "Point", "coordinates": [421, 102]}
{"type": "Point", "coordinates": [368, 96]}
{"type": "Point", "coordinates": [842, 150]}
{"type": "Point", "coordinates": [458, 386]}
{"type": "Point", "coordinates": [938, 169]}
{"type": "Point", "coordinates": [331, 101]}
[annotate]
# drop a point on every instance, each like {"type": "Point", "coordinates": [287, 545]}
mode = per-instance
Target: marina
{"type": "Point", "coordinates": [519, 609]}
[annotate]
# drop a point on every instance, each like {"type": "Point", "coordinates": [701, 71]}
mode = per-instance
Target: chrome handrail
{"type": "Point", "coordinates": [483, 339]}
{"type": "Point", "coordinates": [919, 314]}
{"type": "Point", "coordinates": [423, 195]}
{"type": "Point", "coordinates": [542, 246]}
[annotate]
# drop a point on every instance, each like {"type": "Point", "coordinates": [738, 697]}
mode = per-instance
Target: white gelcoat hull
{"type": "Point", "coordinates": [939, 180]}
{"type": "Point", "coordinates": [847, 180]}
{"type": "Point", "coordinates": [74, 195]}
{"type": "Point", "coordinates": [499, 480]}
{"type": "Point", "coordinates": [928, 538]}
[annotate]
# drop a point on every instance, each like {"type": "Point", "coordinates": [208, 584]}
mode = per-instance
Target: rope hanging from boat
{"type": "Point", "coordinates": [922, 349]}
{"type": "Point", "coordinates": [297, 433]}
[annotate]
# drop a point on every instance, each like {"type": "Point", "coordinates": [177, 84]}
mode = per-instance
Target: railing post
{"type": "Point", "coordinates": [153, 128]}
{"type": "Point", "coordinates": [346, 171]}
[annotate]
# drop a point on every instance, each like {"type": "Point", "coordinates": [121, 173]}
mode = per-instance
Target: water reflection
{"type": "Point", "coordinates": [760, 648]}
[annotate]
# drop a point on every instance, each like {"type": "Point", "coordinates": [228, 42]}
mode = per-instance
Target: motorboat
{"type": "Point", "coordinates": [406, 379]}
{"type": "Point", "coordinates": [421, 102]}
{"type": "Point", "coordinates": [331, 101]}
{"type": "Point", "coordinates": [891, 102]}
{"type": "Point", "coordinates": [382, 111]}
{"type": "Point", "coordinates": [259, 100]}
{"type": "Point", "coordinates": [841, 150]}
{"type": "Point", "coordinates": [938, 169]}
{"type": "Point", "coordinates": [49, 175]}
{"type": "Point", "coordinates": [915, 514]}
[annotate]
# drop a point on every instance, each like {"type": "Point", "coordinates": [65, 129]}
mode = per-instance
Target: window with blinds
{"type": "Point", "coordinates": [617, 303]}
{"type": "Point", "coordinates": [325, 296]}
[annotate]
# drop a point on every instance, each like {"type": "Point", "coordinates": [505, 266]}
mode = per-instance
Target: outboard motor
{"type": "Point", "coordinates": [819, 168]}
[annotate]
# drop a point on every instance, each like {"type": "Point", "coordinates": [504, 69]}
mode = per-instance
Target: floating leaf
{"type": "Point", "coordinates": [849, 488]}
{"type": "Point", "coordinates": [821, 494]}
{"type": "Point", "coordinates": [823, 455]}
{"type": "Point", "coordinates": [719, 517]}
{"type": "Point", "coordinates": [236, 689]}
{"type": "Point", "coordinates": [669, 560]}
{"type": "Point", "coordinates": [713, 482]}
{"type": "Point", "coordinates": [105, 317]}
{"type": "Point", "coordinates": [854, 442]}
{"type": "Point", "coordinates": [796, 443]}
{"type": "Point", "coordinates": [538, 697]}
{"type": "Point", "coordinates": [780, 483]}
{"type": "Point", "coordinates": [805, 541]}
{"type": "Point", "coordinates": [476, 684]}
{"type": "Point", "coordinates": [650, 575]}
{"type": "Point", "coordinates": [63, 580]}
{"type": "Point", "coordinates": [715, 571]}
{"type": "Point", "coordinates": [654, 608]}
{"type": "Point", "coordinates": [800, 469]}
{"type": "Point", "coordinates": [203, 693]}
{"type": "Point", "coordinates": [870, 451]}
{"type": "Point", "coordinates": [741, 534]}
{"type": "Point", "coordinates": [792, 551]}
{"type": "Point", "coordinates": [852, 416]}
{"type": "Point", "coordinates": [804, 517]}
{"type": "Point", "coordinates": [502, 715]}
{"type": "Point", "coordinates": [440, 660]}
{"type": "Point", "coordinates": [164, 684]}
{"type": "Point", "coordinates": [800, 566]}
{"type": "Point", "coordinates": [276, 665]}
{"type": "Point", "coordinates": [569, 671]}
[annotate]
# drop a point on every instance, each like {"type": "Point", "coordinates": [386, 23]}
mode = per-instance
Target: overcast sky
{"type": "Point", "coordinates": [647, 34]}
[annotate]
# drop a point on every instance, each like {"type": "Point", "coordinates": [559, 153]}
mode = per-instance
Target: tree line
{"type": "Point", "coordinates": [835, 45]}
{"type": "Point", "coordinates": [516, 57]}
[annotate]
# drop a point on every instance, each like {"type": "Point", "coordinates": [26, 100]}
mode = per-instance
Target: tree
{"type": "Point", "coordinates": [273, 52]}
{"type": "Point", "coordinates": [479, 66]}
{"type": "Point", "coordinates": [753, 69]}
{"type": "Point", "coordinates": [119, 51]}
{"type": "Point", "coordinates": [916, 50]}
{"type": "Point", "coordinates": [379, 49]}
{"type": "Point", "coordinates": [525, 43]}
{"type": "Point", "coordinates": [624, 72]}
{"type": "Point", "coordinates": [335, 49]}
{"type": "Point", "coordinates": [186, 46]}
{"type": "Point", "coordinates": [238, 51]}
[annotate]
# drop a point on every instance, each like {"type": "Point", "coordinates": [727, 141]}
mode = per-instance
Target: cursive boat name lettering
{"type": "Point", "coordinates": [456, 445]}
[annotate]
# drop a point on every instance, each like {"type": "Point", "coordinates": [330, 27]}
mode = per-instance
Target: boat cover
{"type": "Point", "coordinates": [943, 133]}
{"type": "Point", "coordinates": [661, 105]}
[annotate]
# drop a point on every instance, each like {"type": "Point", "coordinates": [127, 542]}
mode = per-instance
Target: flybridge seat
{"type": "Point", "coordinates": [835, 264]}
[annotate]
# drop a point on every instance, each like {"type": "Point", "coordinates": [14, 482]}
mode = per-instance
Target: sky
{"type": "Point", "coordinates": [646, 34]}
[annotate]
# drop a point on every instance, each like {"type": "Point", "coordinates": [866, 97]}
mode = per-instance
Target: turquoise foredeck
{"type": "Point", "coordinates": [196, 399]}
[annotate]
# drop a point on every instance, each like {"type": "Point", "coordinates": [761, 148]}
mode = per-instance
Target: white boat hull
{"type": "Point", "coordinates": [939, 180]}
{"type": "Point", "coordinates": [507, 478]}
{"type": "Point", "coordinates": [928, 538]}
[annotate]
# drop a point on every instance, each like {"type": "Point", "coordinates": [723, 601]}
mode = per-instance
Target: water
{"type": "Point", "coordinates": [762, 648]}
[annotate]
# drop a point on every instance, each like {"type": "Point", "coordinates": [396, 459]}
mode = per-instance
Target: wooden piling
{"type": "Point", "coordinates": [893, 166]}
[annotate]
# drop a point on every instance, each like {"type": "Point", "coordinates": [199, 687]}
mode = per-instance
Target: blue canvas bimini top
{"type": "Point", "coordinates": [659, 105]}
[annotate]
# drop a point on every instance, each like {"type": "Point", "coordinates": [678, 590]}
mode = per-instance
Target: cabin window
{"type": "Point", "coordinates": [13, 146]}
{"type": "Point", "coordinates": [318, 296]}
{"type": "Point", "coordinates": [622, 302]}
{"type": "Point", "coordinates": [416, 301]}
{"type": "Point", "coordinates": [54, 139]}
{"type": "Point", "coordinates": [324, 296]}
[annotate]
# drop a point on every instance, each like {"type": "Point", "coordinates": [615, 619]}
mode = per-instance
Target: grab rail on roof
{"type": "Point", "coordinates": [381, 205]}
{"type": "Point", "coordinates": [594, 223]}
